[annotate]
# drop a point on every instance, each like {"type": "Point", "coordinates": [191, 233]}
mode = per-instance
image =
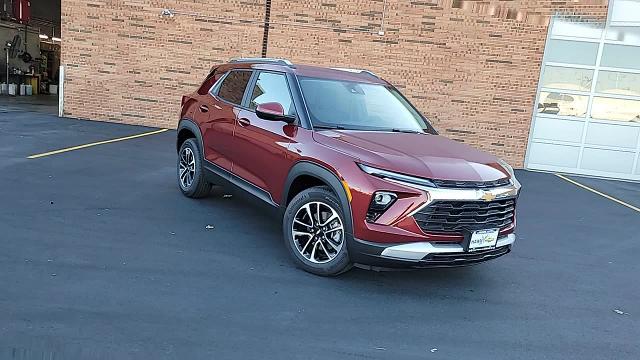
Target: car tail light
{"type": "Point", "coordinates": [380, 202]}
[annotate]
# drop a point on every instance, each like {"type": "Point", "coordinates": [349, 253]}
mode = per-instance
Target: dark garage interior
{"type": "Point", "coordinates": [30, 34]}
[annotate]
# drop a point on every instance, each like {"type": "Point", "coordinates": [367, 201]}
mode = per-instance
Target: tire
{"type": "Point", "coordinates": [191, 155]}
{"type": "Point", "coordinates": [330, 256]}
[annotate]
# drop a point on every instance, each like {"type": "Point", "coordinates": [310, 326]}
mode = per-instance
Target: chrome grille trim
{"type": "Point", "coordinates": [454, 217]}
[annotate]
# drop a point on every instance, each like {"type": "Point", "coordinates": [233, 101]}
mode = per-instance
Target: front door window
{"type": "Point", "coordinates": [271, 87]}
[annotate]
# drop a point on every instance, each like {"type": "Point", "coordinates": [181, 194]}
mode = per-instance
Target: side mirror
{"type": "Point", "coordinates": [273, 111]}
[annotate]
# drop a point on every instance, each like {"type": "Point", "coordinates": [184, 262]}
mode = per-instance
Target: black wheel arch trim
{"type": "Point", "coordinates": [190, 125]}
{"type": "Point", "coordinates": [327, 176]}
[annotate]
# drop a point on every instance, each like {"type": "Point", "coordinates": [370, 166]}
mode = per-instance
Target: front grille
{"type": "Point", "coordinates": [459, 259]}
{"type": "Point", "coordinates": [454, 184]}
{"type": "Point", "coordinates": [453, 217]}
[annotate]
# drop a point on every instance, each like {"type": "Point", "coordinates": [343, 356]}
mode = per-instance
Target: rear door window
{"type": "Point", "coordinates": [233, 86]}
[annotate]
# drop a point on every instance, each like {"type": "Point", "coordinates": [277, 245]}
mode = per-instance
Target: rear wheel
{"type": "Point", "coordinates": [314, 232]}
{"type": "Point", "coordinates": [190, 172]}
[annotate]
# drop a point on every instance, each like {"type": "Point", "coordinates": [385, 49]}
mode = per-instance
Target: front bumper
{"type": "Point", "coordinates": [425, 254]}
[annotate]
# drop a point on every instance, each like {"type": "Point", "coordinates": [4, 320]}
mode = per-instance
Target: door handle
{"type": "Point", "coordinates": [204, 108]}
{"type": "Point", "coordinates": [244, 122]}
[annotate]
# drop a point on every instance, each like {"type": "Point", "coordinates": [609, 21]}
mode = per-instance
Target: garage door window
{"type": "Point", "coordinates": [557, 103]}
{"type": "Point", "coordinates": [624, 12]}
{"type": "Point", "coordinates": [576, 29]}
{"type": "Point", "coordinates": [616, 109]}
{"type": "Point", "coordinates": [629, 35]}
{"type": "Point", "coordinates": [567, 78]}
{"type": "Point", "coordinates": [572, 52]}
{"type": "Point", "coordinates": [620, 83]}
{"type": "Point", "coordinates": [621, 56]}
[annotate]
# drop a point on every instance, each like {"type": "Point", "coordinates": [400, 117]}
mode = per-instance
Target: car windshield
{"type": "Point", "coordinates": [359, 106]}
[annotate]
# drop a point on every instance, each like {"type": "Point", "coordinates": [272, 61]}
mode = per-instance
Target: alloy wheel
{"type": "Point", "coordinates": [187, 167]}
{"type": "Point", "coordinates": [318, 232]}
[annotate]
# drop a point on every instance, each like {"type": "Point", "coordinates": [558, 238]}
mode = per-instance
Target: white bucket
{"type": "Point", "coordinates": [53, 89]}
{"type": "Point", "coordinates": [29, 90]}
{"type": "Point", "coordinates": [12, 89]}
{"type": "Point", "coordinates": [23, 89]}
{"type": "Point", "coordinates": [3, 89]}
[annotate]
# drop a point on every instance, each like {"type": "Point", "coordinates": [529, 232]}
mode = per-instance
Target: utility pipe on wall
{"type": "Point", "coordinates": [61, 91]}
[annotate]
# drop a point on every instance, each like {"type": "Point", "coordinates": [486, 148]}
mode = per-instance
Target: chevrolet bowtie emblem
{"type": "Point", "coordinates": [487, 196]}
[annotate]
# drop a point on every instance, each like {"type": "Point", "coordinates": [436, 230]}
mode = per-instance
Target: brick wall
{"type": "Point", "coordinates": [471, 66]}
{"type": "Point", "coordinates": [124, 63]}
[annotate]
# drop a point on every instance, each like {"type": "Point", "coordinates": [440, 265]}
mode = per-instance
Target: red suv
{"type": "Point", "coordinates": [360, 176]}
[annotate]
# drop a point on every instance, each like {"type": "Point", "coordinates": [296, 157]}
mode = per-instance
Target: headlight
{"type": "Point", "coordinates": [385, 174]}
{"type": "Point", "coordinates": [509, 169]}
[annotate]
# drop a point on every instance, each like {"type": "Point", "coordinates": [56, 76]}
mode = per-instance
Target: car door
{"type": "Point", "coordinates": [260, 146]}
{"type": "Point", "coordinates": [220, 109]}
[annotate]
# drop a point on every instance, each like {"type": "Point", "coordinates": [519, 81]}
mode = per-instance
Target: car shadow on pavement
{"type": "Point", "coordinates": [267, 221]}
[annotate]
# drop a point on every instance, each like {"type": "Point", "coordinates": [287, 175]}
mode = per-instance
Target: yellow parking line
{"type": "Point", "coordinates": [95, 144]}
{"type": "Point", "coordinates": [599, 193]}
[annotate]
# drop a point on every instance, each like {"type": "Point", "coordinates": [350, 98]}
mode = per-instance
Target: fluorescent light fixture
{"type": "Point", "coordinates": [167, 13]}
{"type": "Point", "coordinates": [42, 36]}
{"type": "Point", "coordinates": [56, 39]}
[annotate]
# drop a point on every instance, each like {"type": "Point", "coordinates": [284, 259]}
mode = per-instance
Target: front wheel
{"type": "Point", "coordinates": [314, 232]}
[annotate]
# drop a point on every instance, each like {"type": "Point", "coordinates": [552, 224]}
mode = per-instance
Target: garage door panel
{"type": "Point", "coordinates": [572, 52]}
{"type": "Point", "coordinates": [608, 160]}
{"type": "Point", "coordinates": [612, 135]}
{"type": "Point", "coordinates": [554, 155]}
{"type": "Point", "coordinates": [558, 129]}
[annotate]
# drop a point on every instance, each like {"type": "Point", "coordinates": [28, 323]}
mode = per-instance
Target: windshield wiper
{"type": "Point", "coordinates": [329, 127]}
{"type": "Point", "coordinates": [408, 131]}
{"type": "Point", "coordinates": [340, 127]}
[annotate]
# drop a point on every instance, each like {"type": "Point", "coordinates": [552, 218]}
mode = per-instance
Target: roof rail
{"type": "Point", "coordinates": [358, 71]}
{"type": "Point", "coordinates": [262, 60]}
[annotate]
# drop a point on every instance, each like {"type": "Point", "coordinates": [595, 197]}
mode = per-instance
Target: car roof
{"type": "Point", "coordinates": [341, 74]}
{"type": "Point", "coordinates": [344, 74]}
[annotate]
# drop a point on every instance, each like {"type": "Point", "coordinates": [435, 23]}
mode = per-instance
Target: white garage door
{"type": "Point", "coordinates": [587, 118]}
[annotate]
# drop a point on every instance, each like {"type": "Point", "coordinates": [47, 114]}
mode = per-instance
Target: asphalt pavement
{"type": "Point", "coordinates": [102, 257]}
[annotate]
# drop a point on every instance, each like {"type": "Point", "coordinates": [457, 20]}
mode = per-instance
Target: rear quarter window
{"type": "Point", "coordinates": [233, 86]}
{"type": "Point", "coordinates": [207, 84]}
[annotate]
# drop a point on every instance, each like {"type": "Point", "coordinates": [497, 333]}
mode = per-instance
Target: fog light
{"type": "Point", "coordinates": [380, 202]}
{"type": "Point", "coordinates": [383, 198]}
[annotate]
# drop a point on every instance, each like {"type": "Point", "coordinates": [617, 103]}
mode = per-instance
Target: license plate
{"type": "Point", "coordinates": [483, 239]}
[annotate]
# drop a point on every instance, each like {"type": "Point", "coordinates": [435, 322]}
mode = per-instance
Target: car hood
{"type": "Point", "coordinates": [422, 155]}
